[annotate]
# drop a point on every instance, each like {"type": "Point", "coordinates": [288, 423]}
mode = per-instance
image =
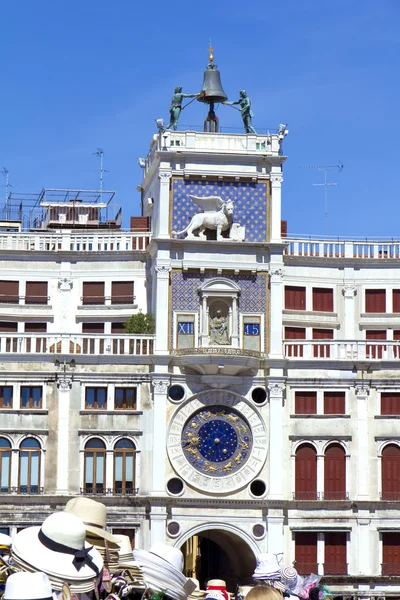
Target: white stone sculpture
{"type": "Point", "coordinates": [217, 216]}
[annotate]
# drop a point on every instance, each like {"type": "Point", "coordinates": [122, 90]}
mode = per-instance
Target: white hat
{"type": "Point", "coordinates": [289, 577]}
{"type": "Point", "coordinates": [267, 567]}
{"type": "Point", "coordinates": [58, 548]}
{"type": "Point", "coordinates": [172, 555]}
{"type": "Point", "coordinates": [28, 586]}
{"type": "Point", "coordinates": [93, 514]}
{"type": "Point", "coordinates": [5, 540]}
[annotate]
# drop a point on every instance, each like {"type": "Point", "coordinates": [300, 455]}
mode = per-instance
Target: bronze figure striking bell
{"type": "Point", "coordinates": [212, 87]}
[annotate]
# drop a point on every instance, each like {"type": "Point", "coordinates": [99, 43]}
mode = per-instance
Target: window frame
{"type": "Point", "coordinates": [124, 452]}
{"type": "Point", "coordinates": [4, 450]}
{"type": "Point", "coordinates": [37, 299]}
{"type": "Point", "coordinates": [193, 315]}
{"type": "Point", "coordinates": [131, 298]}
{"type": "Point", "coordinates": [124, 389]}
{"type": "Point", "coordinates": [297, 290]}
{"type": "Point", "coordinates": [95, 451]}
{"type": "Point", "coordinates": [30, 402]}
{"type": "Point", "coordinates": [2, 388]}
{"type": "Point", "coordinates": [327, 299]}
{"type": "Point", "coordinates": [30, 452]}
{"type": "Point", "coordinates": [87, 299]}
{"type": "Point", "coordinates": [368, 300]}
{"type": "Point", "coordinates": [95, 399]}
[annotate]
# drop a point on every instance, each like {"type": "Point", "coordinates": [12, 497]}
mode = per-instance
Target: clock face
{"type": "Point", "coordinates": [216, 440]}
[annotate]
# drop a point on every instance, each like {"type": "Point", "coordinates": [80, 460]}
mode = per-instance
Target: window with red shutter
{"type": "Point", "coordinates": [375, 350]}
{"type": "Point", "coordinates": [117, 328]}
{"type": "Point", "coordinates": [89, 343]}
{"type": "Point", "coordinates": [295, 333]}
{"type": "Point", "coordinates": [390, 553]}
{"type": "Point", "coordinates": [36, 292]}
{"type": "Point", "coordinates": [9, 292]}
{"type": "Point", "coordinates": [306, 552]}
{"type": "Point", "coordinates": [334, 403]}
{"type": "Point", "coordinates": [306, 473]}
{"type": "Point", "coordinates": [8, 327]}
{"type": "Point", "coordinates": [335, 473]}
{"type": "Point", "coordinates": [122, 292]}
{"type": "Point", "coordinates": [335, 553]}
{"type": "Point", "coordinates": [322, 299]}
{"type": "Point", "coordinates": [390, 472]}
{"type": "Point", "coordinates": [305, 403]}
{"type": "Point", "coordinates": [396, 301]}
{"type": "Point", "coordinates": [322, 350]}
{"type": "Point", "coordinates": [93, 292]}
{"type": "Point", "coordinates": [295, 297]}
{"type": "Point", "coordinates": [375, 301]}
{"type": "Point", "coordinates": [390, 403]}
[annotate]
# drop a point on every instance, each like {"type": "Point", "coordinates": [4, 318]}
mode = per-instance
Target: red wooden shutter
{"type": "Point", "coordinates": [305, 403]}
{"type": "Point", "coordinates": [391, 553]}
{"type": "Point", "coordinates": [391, 472]}
{"type": "Point", "coordinates": [396, 301]}
{"type": "Point", "coordinates": [390, 403]}
{"type": "Point", "coordinates": [322, 350]}
{"type": "Point", "coordinates": [122, 292]}
{"type": "Point", "coordinates": [35, 327]}
{"type": "Point", "coordinates": [36, 292]}
{"type": "Point", "coordinates": [92, 328]}
{"type": "Point", "coordinates": [306, 473]}
{"type": "Point", "coordinates": [295, 297]}
{"type": "Point", "coordinates": [334, 403]}
{"type": "Point", "coordinates": [93, 292]}
{"type": "Point", "coordinates": [8, 327]}
{"type": "Point", "coordinates": [295, 333]}
{"type": "Point", "coordinates": [375, 350]}
{"type": "Point", "coordinates": [334, 473]}
{"type": "Point", "coordinates": [375, 301]}
{"type": "Point", "coordinates": [323, 299]}
{"type": "Point", "coordinates": [306, 552]}
{"type": "Point", "coordinates": [117, 328]}
{"type": "Point", "coordinates": [9, 292]}
{"type": "Point", "coordinates": [335, 553]}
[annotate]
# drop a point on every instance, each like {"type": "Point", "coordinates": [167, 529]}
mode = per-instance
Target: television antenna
{"type": "Point", "coordinates": [100, 153]}
{"type": "Point", "coordinates": [326, 184]}
{"type": "Point", "coordinates": [5, 172]}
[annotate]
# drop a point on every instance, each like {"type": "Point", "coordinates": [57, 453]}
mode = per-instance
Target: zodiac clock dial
{"type": "Point", "coordinates": [217, 441]}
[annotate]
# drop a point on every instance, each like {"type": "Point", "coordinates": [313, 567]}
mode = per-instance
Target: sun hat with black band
{"type": "Point", "coordinates": [93, 514]}
{"type": "Point", "coordinates": [58, 548]}
{"type": "Point", "coordinates": [28, 586]}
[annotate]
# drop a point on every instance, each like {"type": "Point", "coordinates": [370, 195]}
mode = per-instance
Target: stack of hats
{"type": "Point", "coordinates": [28, 586]}
{"type": "Point", "coordinates": [197, 593]}
{"type": "Point", "coordinates": [268, 571]}
{"type": "Point", "coordinates": [94, 516]}
{"type": "Point", "coordinates": [216, 590]}
{"type": "Point", "coordinates": [59, 550]}
{"type": "Point", "coordinates": [126, 561]}
{"type": "Point", "coordinates": [162, 570]}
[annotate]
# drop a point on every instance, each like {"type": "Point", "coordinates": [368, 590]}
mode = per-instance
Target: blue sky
{"type": "Point", "coordinates": [84, 74]}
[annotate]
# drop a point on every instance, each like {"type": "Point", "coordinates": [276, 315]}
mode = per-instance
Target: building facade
{"type": "Point", "coordinates": [262, 413]}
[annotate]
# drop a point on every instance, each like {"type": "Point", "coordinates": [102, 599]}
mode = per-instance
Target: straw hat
{"type": "Point", "coordinates": [28, 586]}
{"type": "Point", "coordinates": [93, 514]}
{"type": "Point", "coordinates": [216, 590]}
{"type": "Point", "coordinates": [197, 593]}
{"type": "Point", "coordinates": [58, 548]}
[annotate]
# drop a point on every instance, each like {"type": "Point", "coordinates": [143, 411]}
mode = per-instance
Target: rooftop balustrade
{"type": "Point", "coordinates": [74, 242]}
{"type": "Point", "coordinates": [340, 248]}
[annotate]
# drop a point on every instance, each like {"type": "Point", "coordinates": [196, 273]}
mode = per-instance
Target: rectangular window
{"type": "Point", "coordinates": [322, 350]}
{"type": "Point", "coordinates": [6, 395]}
{"type": "Point", "coordinates": [185, 331]}
{"type": "Point", "coordinates": [35, 327]}
{"type": "Point", "coordinates": [322, 299]}
{"type": "Point", "coordinates": [305, 403]}
{"type": "Point", "coordinates": [36, 292]}
{"type": "Point", "coordinates": [375, 350]}
{"type": "Point", "coordinates": [306, 552]}
{"type": "Point", "coordinates": [295, 333]}
{"type": "Point", "coordinates": [295, 297]}
{"type": "Point", "coordinates": [8, 327]}
{"type": "Point", "coordinates": [31, 396]}
{"type": "Point", "coordinates": [396, 301]}
{"type": "Point", "coordinates": [93, 292]}
{"type": "Point", "coordinates": [125, 398]}
{"type": "Point", "coordinates": [390, 403]}
{"type": "Point", "coordinates": [117, 328]}
{"type": "Point", "coordinates": [391, 553]}
{"type": "Point", "coordinates": [252, 333]}
{"type": "Point", "coordinates": [122, 292]}
{"type": "Point", "coordinates": [96, 398]}
{"type": "Point", "coordinates": [375, 301]}
{"type": "Point", "coordinates": [335, 553]}
{"type": "Point", "coordinates": [334, 403]}
{"type": "Point", "coordinates": [9, 292]}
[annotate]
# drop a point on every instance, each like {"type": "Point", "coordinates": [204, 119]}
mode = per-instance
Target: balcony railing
{"type": "Point", "coordinates": [74, 242]}
{"type": "Point", "coordinates": [352, 350]}
{"type": "Point", "coordinates": [335, 496]}
{"type": "Point", "coordinates": [390, 496]}
{"type": "Point", "coordinates": [109, 491]}
{"type": "Point", "coordinates": [23, 490]}
{"type": "Point", "coordinates": [306, 495]}
{"type": "Point", "coordinates": [343, 249]}
{"type": "Point", "coordinates": [390, 569]}
{"type": "Point", "coordinates": [305, 568]}
{"type": "Point", "coordinates": [124, 344]}
{"type": "Point", "coordinates": [335, 569]}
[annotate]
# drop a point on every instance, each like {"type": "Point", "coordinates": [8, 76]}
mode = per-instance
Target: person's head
{"type": "Point", "coordinates": [178, 89]}
{"type": "Point", "coordinates": [263, 592]}
{"type": "Point", "coordinates": [243, 93]}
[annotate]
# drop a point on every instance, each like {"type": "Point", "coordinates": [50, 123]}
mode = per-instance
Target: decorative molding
{"type": "Point", "coordinates": [65, 284]}
{"type": "Point", "coordinates": [165, 176]}
{"type": "Point", "coordinates": [276, 274]}
{"type": "Point", "coordinates": [163, 271]}
{"type": "Point", "coordinates": [276, 180]}
{"type": "Point", "coordinates": [160, 386]}
{"type": "Point", "coordinates": [64, 384]}
{"type": "Point", "coordinates": [276, 389]}
{"type": "Point", "coordinates": [349, 291]}
{"type": "Point", "coordinates": [362, 390]}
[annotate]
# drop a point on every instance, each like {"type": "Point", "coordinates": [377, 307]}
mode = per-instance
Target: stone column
{"type": "Point", "coordinates": [162, 309]}
{"type": "Point", "coordinates": [276, 212]}
{"type": "Point", "coordinates": [14, 468]}
{"type": "Point", "coordinates": [362, 470]}
{"type": "Point", "coordinates": [160, 388]}
{"type": "Point", "coordinates": [349, 293]}
{"type": "Point", "coordinates": [320, 553]}
{"type": "Point", "coordinates": [162, 222]}
{"type": "Point", "coordinates": [276, 307]}
{"type": "Point", "coordinates": [64, 390]}
{"type": "Point", "coordinates": [109, 482]}
{"type": "Point", "coordinates": [158, 524]}
{"type": "Point", "coordinates": [276, 446]}
{"type": "Point", "coordinates": [320, 475]}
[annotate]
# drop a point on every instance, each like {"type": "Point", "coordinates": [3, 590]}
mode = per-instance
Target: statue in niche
{"type": "Point", "coordinates": [217, 216]}
{"type": "Point", "coordinates": [219, 335]}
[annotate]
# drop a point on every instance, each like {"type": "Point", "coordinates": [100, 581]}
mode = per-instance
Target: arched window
{"type": "Point", "coordinates": [124, 467]}
{"type": "Point", "coordinates": [29, 467]}
{"type": "Point", "coordinates": [5, 465]}
{"type": "Point", "coordinates": [335, 473]}
{"type": "Point", "coordinates": [306, 473]}
{"type": "Point", "coordinates": [391, 472]}
{"type": "Point", "coordinates": [95, 467]}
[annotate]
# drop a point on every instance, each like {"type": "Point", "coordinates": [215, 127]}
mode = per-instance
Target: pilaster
{"type": "Point", "coordinates": [363, 459]}
{"type": "Point", "coordinates": [64, 391]}
{"type": "Point", "coordinates": [160, 389]}
{"type": "Point", "coordinates": [349, 293]}
{"type": "Point", "coordinates": [162, 273]}
{"type": "Point", "coordinates": [276, 200]}
{"type": "Point", "coordinates": [162, 226]}
{"type": "Point", "coordinates": [276, 445]}
{"type": "Point", "coordinates": [276, 306]}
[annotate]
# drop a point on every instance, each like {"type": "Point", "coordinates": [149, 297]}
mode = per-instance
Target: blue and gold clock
{"type": "Point", "coordinates": [216, 441]}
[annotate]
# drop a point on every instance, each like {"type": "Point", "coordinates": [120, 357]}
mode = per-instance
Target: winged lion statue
{"type": "Point", "coordinates": [217, 216]}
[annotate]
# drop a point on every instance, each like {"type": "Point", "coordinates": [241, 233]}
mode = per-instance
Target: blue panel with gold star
{"type": "Point", "coordinates": [217, 441]}
{"type": "Point", "coordinates": [250, 200]}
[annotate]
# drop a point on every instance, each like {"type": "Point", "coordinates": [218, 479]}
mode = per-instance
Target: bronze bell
{"type": "Point", "coordinates": [212, 86]}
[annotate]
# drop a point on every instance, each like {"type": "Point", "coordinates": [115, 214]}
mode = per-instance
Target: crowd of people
{"type": "Point", "coordinates": [72, 556]}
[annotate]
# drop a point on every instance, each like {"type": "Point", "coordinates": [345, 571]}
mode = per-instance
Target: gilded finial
{"type": "Point", "coordinates": [210, 53]}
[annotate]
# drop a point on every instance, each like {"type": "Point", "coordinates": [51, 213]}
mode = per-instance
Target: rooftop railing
{"type": "Point", "coordinates": [340, 248]}
{"type": "Point", "coordinates": [93, 241]}
{"type": "Point", "coordinates": [352, 350]}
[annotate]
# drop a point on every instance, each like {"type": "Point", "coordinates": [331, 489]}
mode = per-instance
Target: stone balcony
{"type": "Point", "coordinates": [342, 249]}
{"type": "Point", "coordinates": [342, 350]}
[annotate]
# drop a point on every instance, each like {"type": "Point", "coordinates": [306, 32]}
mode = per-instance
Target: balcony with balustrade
{"type": "Point", "coordinates": [341, 350]}
{"type": "Point", "coordinates": [341, 248]}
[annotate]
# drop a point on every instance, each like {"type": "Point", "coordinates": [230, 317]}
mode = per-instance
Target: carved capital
{"type": "Point", "coordinates": [276, 180]}
{"type": "Point", "coordinates": [163, 271]}
{"type": "Point", "coordinates": [65, 284]}
{"type": "Point", "coordinates": [160, 386]}
{"type": "Point", "coordinates": [349, 291]}
{"type": "Point", "coordinates": [362, 390]}
{"type": "Point", "coordinates": [276, 274]}
{"type": "Point", "coordinates": [165, 176]}
{"type": "Point", "coordinates": [64, 384]}
{"type": "Point", "coordinates": [276, 389]}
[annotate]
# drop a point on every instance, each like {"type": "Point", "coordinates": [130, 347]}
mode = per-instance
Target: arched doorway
{"type": "Point", "coordinates": [219, 554]}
